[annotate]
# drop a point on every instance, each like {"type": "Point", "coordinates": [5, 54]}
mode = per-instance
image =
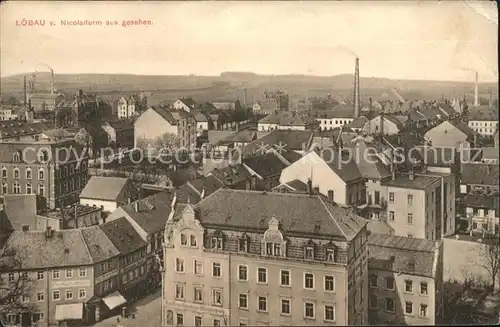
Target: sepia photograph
{"type": "Point", "coordinates": [249, 163]}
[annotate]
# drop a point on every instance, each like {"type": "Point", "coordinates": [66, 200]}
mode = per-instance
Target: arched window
{"type": "Point", "coordinates": [5, 188]}
{"type": "Point", "coordinates": [65, 171]}
{"type": "Point", "coordinates": [17, 156]}
{"type": "Point", "coordinates": [16, 173]}
{"type": "Point", "coordinates": [41, 189]}
{"type": "Point", "coordinates": [29, 189]}
{"type": "Point", "coordinates": [41, 175]}
{"type": "Point", "coordinates": [28, 173]}
{"type": "Point", "coordinates": [4, 172]}
{"type": "Point", "coordinates": [16, 188]}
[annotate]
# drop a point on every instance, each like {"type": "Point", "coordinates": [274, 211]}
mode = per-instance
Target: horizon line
{"type": "Point", "coordinates": [252, 73]}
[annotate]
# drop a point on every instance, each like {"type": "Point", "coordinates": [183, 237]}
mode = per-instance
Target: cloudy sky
{"type": "Point", "coordinates": [446, 40]}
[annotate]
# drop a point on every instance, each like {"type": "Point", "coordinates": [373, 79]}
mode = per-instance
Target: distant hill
{"type": "Point", "coordinates": [230, 85]}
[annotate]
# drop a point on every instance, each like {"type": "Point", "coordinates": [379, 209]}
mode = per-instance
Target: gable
{"type": "Point", "coordinates": [148, 116]}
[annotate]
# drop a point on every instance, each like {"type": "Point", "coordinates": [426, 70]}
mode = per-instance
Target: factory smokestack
{"type": "Point", "coordinates": [476, 92]}
{"type": "Point", "coordinates": [25, 93]}
{"type": "Point", "coordinates": [245, 98]}
{"type": "Point", "coordinates": [356, 89]}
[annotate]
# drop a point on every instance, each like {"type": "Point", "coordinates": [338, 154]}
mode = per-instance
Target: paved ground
{"type": "Point", "coordinates": [147, 314]}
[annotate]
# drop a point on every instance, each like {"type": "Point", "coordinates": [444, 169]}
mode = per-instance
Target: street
{"type": "Point", "coordinates": [147, 314]}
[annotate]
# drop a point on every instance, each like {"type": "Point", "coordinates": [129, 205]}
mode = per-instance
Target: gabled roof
{"type": "Point", "coordinates": [104, 188]}
{"type": "Point", "coordinates": [99, 245]}
{"type": "Point", "coordinates": [200, 117]}
{"type": "Point", "coordinates": [120, 125]}
{"type": "Point", "coordinates": [231, 174]}
{"type": "Point", "coordinates": [283, 118]}
{"type": "Point", "coordinates": [297, 213]}
{"type": "Point", "coordinates": [483, 113]}
{"type": "Point", "coordinates": [208, 183]}
{"type": "Point", "coordinates": [412, 256]}
{"type": "Point", "coordinates": [190, 102]}
{"type": "Point", "coordinates": [480, 174]}
{"type": "Point", "coordinates": [359, 122]}
{"type": "Point", "coordinates": [123, 235]}
{"type": "Point", "coordinates": [265, 165]}
{"type": "Point", "coordinates": [344, 111]}
{"type": "Point", "coordinates": [12, 129]}
{"type": "Point", "coordinates": [491, 202]}
{"type": "Point", "coordinates": [290, 139]}
{"type": "Point", "coordinates": [295, 185]}
{"type": "Point", "coordinates": [347, 170]}
{"type": "Point", "coordinates": [438, 157]}
{"type": "Point", "coordinates": [241, 136]}
{"type": "Point", "coordinates": [419, 182]}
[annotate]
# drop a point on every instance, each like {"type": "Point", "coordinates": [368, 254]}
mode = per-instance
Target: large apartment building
{"type": "Point", "coordinates": [406, 281]}
{"type": "Point", "coordinates": [255, 258]}
{"type": "Point", "coordinates": [54, 170]}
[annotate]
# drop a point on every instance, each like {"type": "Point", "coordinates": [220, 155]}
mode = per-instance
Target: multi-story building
{"type": "Point", "coordinates": [482, 211]}
{"type": "Point", "coordinates": [126, 107]}
{"type": "Point", "coordinates": [55, 170]}
{"type": "Point", "coordinates": [483, 120]}
{"type": "Point", "coordinates": [120, 134]}
{"type": "Point", "coordinates": [288, 121]}
{"type": "Point", "coordinates": [256, 258]}
{"type": "Point", "coordinates": [421, 205]}
{"type": "Point", "coordinates": [155, 122]}
{"type": "Point", "coordinates": [450, 134]}
{"type": "Point", "coordinates": [108, 193]}
{"type": "Point", "coordinates": [406, 281]}
{"type": "Point", "coordinates": [70, 217]}
{"type": "Point", "coordinates": [20, 113]}
{"type": "Point", "coordinates": [273, 101]}
{"type": "Point", "coordinates": [41, 102]}
{"type": "Point", "coordinates": [21, 131]}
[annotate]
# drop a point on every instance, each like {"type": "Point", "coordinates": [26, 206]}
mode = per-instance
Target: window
{"type": "Point", "coordinates": [243, 301]}
{"type": "Point", "coordinates": [243, 244]}
{"type": "Point", "coordinates": [309, 253]}
{"type": "Point", "coordinates": [408, 307]}
{"type": "Point", "coordinates": [192, 241]}
{"type": "Point", "coordinates": [25, 298]}
{"type": "Point", "coordinates": [216, 323]}
{"type": "Point", "coordinates": [40, 275]}
{"type": "Point", "coordinates": [198, 294]}
{"type": "Point", "coordinates": [69, 273]}
{"type": "Point", "coordinates": [197, 321]}
{"type": "Point", "coordinates": [389, 305]}
{"type": "Point", "coordinates": [184, 240]}
{"type": "Point", "coordinates": [41, 189]}
{"type": "Point", "coordinates": [389, 283]}
{"type": "Point", "coordinates": [217, 297]}
{"type": "Point", "coordinates": [16, 188]}
{"type": "Point", "coordinates": [55, 274]}
{"type": "Point", "coordinates": [423, 288]}
{"type": "Point", "coordinates": [28, 173]}
{"type": "Point", "coordinates": [373, 281]}
{"type": "Point", "coordinates": [329, 313]}
{"type": "Point", "coordinates": [423, 310]}
{"type": "Point", "coordinates": [216, 269]}
{"type": "Point", "coordinates": [309, 281]}
{"type": "Point", "coordinates": [179, 291]}
{"type": "Point", "coordinates": [179, 265]}
{"type": "Point", "coordinates": [16, 173]}
{"type": "Point", "coordinates": [391, 215]}
{"type": "Point", "coordinates": [16, 156]}
{"type": "Point", "coordinates": [373, 302]}
{"type": "Point", "coordinates": [330, 255]}
{"type": "Point", "coordinates": [198, 267]}
{"type": "Point", "coordinates": [82, 293]}
{"type": "Point", "coordinates": [285, 278]}
{"type": "Point", "coordinates": [408, 286]}
{"type": "Point", "coordinates": [217, 243]}
{"type": "Point", "coordinates": [69, 295]}
{"type": "Point", "coordinates": [83, 272]}
{"type": "Point", "coordinates": [285, 306]}
{"type": "Point", "coordinates": [4, 172]}
{"type": "Point", "coordinates": [24, 275]}
{"type": "Point", "coordinates": [391, 196]}
{"type": "Point", "coordinates": [56, 295]}
{"type": "Point", "coordinates": [309, 310]}
{"type": "Point", "coordinates": [410, 199]}
{"type": "Point", "coordinates": [410, 219]}
{"type": "Point", "coordinates": [242, 272]}
{"type": "Point", "coordinates": [103, 266]}
{"type": "Point", "coordinates": [180, 319]}
{"type": "Point", "coordinates": [5, 188]}
{"type": "Point", "coordinates": [40, 174]}
{"type": "Point", "coordinates": [29, 188]}
{"type": "Point", "coordinates": [11, 277]}
{"type": "Point", "coordinates": [262, 306]}
{"type": "Point", "coordinates": [262, 275]}
{"type": "Point", "coordinates": [330, 283]}
{"type": "Point", "coordinates": [40, 296]}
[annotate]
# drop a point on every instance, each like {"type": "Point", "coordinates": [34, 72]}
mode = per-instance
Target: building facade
{"type": "Point", "coordinates": [258, 271]}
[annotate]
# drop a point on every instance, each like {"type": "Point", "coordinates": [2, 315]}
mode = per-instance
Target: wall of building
{"type": "Point", "coordinates": [150, 125]}
{"type": "Point", "coordinates": [374, 126]}
{"type": "Point", "coordinates": [400, 208]}
{"type": "Point", "coordinates": [484, 127]}
{"type": "Point", "coordinates": [109, 206]}
{"type": "Point", "coordinates": [447, 135]}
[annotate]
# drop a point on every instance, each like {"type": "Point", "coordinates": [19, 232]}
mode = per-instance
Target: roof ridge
{"type": "Point", "coordinates": [331, 216]}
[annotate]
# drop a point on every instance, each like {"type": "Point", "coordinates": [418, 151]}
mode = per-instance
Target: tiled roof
{"type": "Point", "coordinates": [189, 102]}
{"type": "Point", "coordinates": [482, 201]}
{"type": "Point", "coordinates": [412, 256]}
{"type": "Point", "coordinates": [123, 235]}
{"type": "Point", "coordinates": [483, 113]}
{"type": "Point", "coordinates": [120, 125]}
{"type": "Point", "coordinates": [379, 227]}
{"type": "Point", "coordinates": [297, 213]}
{"type": "Point", "coordinates": [265, 165]}
{"type": "Point", "coordinates": [344, 111]}
{"type": "Point", "coordinates": [12, 129]}
{"type": "Point", "coordinates": [58, 133]}
{"type": "Point", "coordinates": [232, 173]}
{"type": "Point", "coordinates": [208, 183]}
{"type": "Point", "coordinates": [369, 164]}
{"type": "Point", "coordinates": [64, 248]}
{"type": "Point", "coordinates": [200, 117]}
{"type": "Point", "coordinates": [418, 183]}
{"type": "Point", "coordinates": [99, 245]}
{"type": "Point", "coordinates": [290, 156]}
{"type": "Point", "coordinates": [19, 209]}
{"type": "Point", "coordinates": [291, 140]}
{"type": "Point", "coordinates": [104, 188]}
{"type": "Point", "coordinates": [359, 122]}
{"type": "Point", "coordinates": [480, 173]}
{"type": "Point", "coordinates": [298, 185]}
{"type": "Point", "coordinates": [464, 128]}
{"type": "Point", "coordinates": [165, 114]}
{"type": "Point", "coordinates": [347, 170]}
{"type": "Point", "coordinates": [283, 118]}
{"type": "Point", "coordinates": [242, 136]}
{"type": "Point", "coordinates": [7, 150]}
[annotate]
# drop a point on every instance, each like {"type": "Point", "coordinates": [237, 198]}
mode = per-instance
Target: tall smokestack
{"type": "Point", "coordinates": [245, 98]}
{"type": "Point", "coordinates": [51, 81]}
{"type": "Point", "coordinates": [25, 93]}
{"type": "Point", "coordinates": [476, 92]}
{"type": "Point", "coordinates": [356, 89]}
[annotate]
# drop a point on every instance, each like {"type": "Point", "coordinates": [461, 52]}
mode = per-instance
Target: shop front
{"type": "Point", "coordinates": [70, 314]}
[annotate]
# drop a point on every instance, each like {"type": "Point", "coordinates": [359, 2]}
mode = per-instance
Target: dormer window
{"type": "Point", "coordinates": [273, 243]}
{"type": "Point", "coordinates": [331, 252]}
{"type": "Point", "coordinates": [217, 243]}
{"type": "Point", "coordinates": [309, 253]}
{"type": "Point", "coordinates": [16, 156]}
{"type": "Point", "coordinates": [243, 243]}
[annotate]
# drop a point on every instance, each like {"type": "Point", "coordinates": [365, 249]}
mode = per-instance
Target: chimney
{"type": "Point", "coordinates": [412, 174]}
{"type": "Point", "coordinates": [476, 92]}
{"type": "Point", "coordinates": [309, 186]}
{"type": "Point", "coordinates": [25, 93]}
{"type": "Point", "coordinates": [316, 190]}
{"type": "Point", "coordinates": [356, 89]}
{"type": "Point", "coordinates": [393, 171]}
{"type": "Point", "coordinates": [202, 196]}
{"type": "Point", "coordinates": [174, 201]}
{"type": "Point", "coordinates": [382, 123]}
{"type": "Point", "coordinates": [245, 98]}
{"type": "Point", "coordinates": [136, 206]}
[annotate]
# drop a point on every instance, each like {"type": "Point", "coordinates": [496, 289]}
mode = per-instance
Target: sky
{"type": "Point", "coordinates": [445, 40]}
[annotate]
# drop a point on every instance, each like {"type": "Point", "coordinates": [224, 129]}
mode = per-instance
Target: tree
{"type": "Point", "coordinates": [13, 287]}
{"type": "Point", "coordinates": [168, 141]}
{"type": "Point", "coordinates": [490, 253]}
